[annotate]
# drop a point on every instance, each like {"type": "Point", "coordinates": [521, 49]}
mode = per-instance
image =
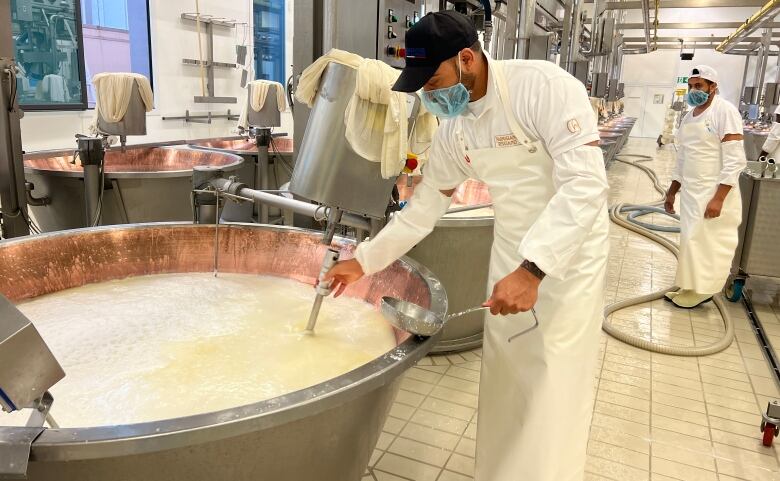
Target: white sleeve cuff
{"type": "Point", "coordinates": [770, 146]}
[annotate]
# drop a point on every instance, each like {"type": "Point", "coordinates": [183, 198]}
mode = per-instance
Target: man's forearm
{"type": "Point", "coordinates": [722, 192]}
{"type": "Point", "coordinates": [674, 188]}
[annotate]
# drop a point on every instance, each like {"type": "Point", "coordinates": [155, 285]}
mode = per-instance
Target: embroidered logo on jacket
{"type": "Point", "coordinates": [508, 140]}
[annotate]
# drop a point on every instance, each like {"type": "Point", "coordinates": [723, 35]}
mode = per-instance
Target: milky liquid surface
{"type": "Point", "coordinates": [164, 346]}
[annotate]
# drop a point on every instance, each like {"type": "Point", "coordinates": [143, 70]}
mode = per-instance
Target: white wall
{"type": "Point", "coordinates": [175, 84]}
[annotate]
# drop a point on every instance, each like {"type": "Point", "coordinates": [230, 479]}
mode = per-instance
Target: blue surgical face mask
{"type": "Point", "coordinates": [448, 102]}
{"type": "Point", "coordinates": [696, 98]}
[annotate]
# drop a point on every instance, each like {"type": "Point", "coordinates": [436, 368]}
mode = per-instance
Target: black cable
{"type": "Point", "coordinates": [278, 155]}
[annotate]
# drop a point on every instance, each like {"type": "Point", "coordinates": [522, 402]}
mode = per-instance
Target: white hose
{"type": "Point", "coordinates": [649, 345]}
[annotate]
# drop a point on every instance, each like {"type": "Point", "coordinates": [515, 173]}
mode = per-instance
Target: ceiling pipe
{"type": "Point", "coordinates": [766, 14]}
{"type": "Point", "coordinates": [646, 25]}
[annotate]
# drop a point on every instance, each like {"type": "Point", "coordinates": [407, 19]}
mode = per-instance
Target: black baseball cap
{"type": "Point", "coordinates": [437, 37]}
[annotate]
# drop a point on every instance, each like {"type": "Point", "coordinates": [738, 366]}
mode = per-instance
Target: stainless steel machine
{"type": "Point", "coordinates": [331, 182]}
{"type": "Point", "coordinates": [29, 369]}
{"type": "Point", "coordinates": [91, 153]}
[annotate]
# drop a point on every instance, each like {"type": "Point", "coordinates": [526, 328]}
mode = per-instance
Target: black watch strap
{"type": "Point", "coordinates": [533, 269]}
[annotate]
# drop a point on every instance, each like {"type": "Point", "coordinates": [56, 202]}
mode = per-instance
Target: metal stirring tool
{"type": "Point", "coordinates": [322, 289]}
{"type": "Point", "coordinates": [417, 320]}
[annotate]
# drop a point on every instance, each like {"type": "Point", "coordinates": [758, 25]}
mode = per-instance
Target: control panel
{"type": "Point", "coordinates": [395, 18]}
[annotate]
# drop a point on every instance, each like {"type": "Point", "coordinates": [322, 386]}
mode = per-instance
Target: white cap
{"type": "Point", "coordinates": [704, 71]}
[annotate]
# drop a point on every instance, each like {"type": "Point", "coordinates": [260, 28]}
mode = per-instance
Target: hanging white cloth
{"type": "Point", "coordinates": [306, 90]}
{"type": "Point", "coordinates": [258, 91]}
{"type": "Point", "coordinates": [113, 91]}
{"type": "Point", "coordinates": [376, 117]}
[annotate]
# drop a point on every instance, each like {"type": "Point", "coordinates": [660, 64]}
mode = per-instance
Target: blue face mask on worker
{"type": "Point", "coordinates": [696, 97]}
{"type": "Point", "coordinates": [448, 102]}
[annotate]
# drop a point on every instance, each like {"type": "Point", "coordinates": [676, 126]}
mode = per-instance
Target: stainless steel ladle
{"type": "Point", "coordinates": [419, 321]}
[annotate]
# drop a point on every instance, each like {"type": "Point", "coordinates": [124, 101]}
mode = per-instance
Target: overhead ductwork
{"type": "Point", "coordinates": [759, 19]}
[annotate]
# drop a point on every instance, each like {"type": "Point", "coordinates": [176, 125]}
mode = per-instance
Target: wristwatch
{"type": "Point", "coordinates": [533, 269]}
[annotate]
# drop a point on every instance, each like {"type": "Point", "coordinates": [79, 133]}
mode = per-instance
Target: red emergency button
{"type": "Point", "coordinates": [401, 52]}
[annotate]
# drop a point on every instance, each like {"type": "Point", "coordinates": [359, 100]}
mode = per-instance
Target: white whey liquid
{"type": "Point", "coordinates": [157, 347]}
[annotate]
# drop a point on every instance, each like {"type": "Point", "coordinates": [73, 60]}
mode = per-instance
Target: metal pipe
{"type": "Point", "coordinates": [526, 28]}
{"type": "Point", "coordinates": [764, 59]}
{"type": "Point", "coordinates": [314, 211]}
{"type": "Point", "coordinates": [766, 14]}
{"type": "Point", "coordinates": [646, 24]}
{"type": "Point", "coordinates": [488, 33]}
{"type": "Point", "coordinates": [576, 32]}
{"type": "Point", "coordinates": [32, 200]}
{"type": "Point", "coordinates": [593, 30]}
{"type": "Point", "coordinates": [93, 181]}
{"type": "Point", "coordinates": [568, 26]}
{"type": "Point", "coordinates": [744, 80]}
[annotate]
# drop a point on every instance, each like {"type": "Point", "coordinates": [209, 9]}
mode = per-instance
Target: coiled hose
{"type": "Point", "coordinates": [648, 345]}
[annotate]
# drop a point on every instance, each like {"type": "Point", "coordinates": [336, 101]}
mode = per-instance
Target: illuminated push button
{"type": "Point", "coordinates": [391, 17]}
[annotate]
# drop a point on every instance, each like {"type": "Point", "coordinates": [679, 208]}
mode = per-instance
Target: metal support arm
{"type": "Point", "coordinates": [315, 211]}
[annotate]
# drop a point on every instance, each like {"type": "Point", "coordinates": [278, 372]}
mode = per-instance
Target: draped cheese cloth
{"type": "Point", "coordinates": [376, 118]}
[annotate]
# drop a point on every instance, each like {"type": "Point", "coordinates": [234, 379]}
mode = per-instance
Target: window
{"type": "Point", "coordinates": [60, 45]}
{"type": "Point", "coordinates": [269, 40]}
{"type": "Point", "coordinates": [116, 38]}
{"type": "Point", "coordinates": [47, 44]}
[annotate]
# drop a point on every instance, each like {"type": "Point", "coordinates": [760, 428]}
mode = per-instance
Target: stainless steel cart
{"type": "Point", "coordinates": [757, 253]}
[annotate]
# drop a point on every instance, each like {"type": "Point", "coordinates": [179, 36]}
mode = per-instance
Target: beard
{"type": "Point", "coordinates": [468, 80]}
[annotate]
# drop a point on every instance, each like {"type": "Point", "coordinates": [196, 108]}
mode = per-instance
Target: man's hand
{"type": "Point", "coordinates": [515, 293]}
{"type": "Point", "coordinates": [669, 203]}
{"type": "Point", "coordinates": [714, 207]}
{"type": "Point", "coordinates": [343, 274]}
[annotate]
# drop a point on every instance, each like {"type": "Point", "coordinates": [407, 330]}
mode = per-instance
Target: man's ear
{"type": "Point", "coordinates": [467, 58]}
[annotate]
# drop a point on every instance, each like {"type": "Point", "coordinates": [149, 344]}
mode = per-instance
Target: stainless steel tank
{"type": "Point", "coordinates": [327, 170]}
{"type": "Point", "coordinates": [754, 142]}
{"type": "Point", "coordinates": [326, 432]}
{"type": "Point", "coordinates": [142, 184]}
{"type": "Point", "coordinates": [458, 253]}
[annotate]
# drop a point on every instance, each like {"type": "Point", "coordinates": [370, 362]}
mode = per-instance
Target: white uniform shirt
{"type": "Point", "coordinates": [553, 107]}
{"type": "Point", "coordinates": [721, 118]}
{"type": "Point", "coordinates": [773, 139]}
{"type": "Point", "coordinates": [548, 103]}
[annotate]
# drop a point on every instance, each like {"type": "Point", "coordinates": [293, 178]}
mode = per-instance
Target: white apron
{"type": "Point", "coordinates": [536, 394]}
{"type": "Point", "coordinates": [707, 246]}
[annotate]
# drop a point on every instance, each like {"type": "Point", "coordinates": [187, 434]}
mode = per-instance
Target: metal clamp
{"type": "Point", "coordinates": [16, 442]}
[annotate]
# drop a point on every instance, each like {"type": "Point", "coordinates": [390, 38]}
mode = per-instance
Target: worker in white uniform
{"type": "Point", "coordinates": [710, 157]}
{"type": "Point", "coordinates": [527, 130]}
{"type": "Point", "coordinates": [771, 148]}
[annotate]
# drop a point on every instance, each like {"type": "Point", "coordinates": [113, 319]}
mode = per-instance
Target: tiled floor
{"type": "Point", "coordinates": [656, 417]}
